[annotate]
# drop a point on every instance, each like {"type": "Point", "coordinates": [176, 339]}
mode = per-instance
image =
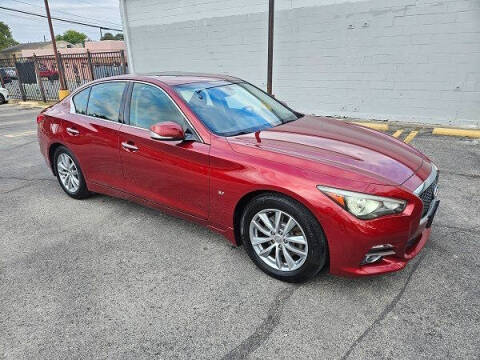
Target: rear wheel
{"type": "Point", "coordinates": [2, 99]}
{"type": "Point", "coordinates": [69, 174]}
{"type": "Point", "coordinates": [283, 238]}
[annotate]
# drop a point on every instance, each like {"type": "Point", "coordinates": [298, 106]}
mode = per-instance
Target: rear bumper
{"type": "Point", "coordinates": [44, 143]}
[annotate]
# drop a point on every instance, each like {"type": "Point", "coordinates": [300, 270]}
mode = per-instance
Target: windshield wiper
{"type": "Point", "coordinates": [243, 132]}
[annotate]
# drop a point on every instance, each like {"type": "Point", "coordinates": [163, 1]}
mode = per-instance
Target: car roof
{"type": "Point", "coordinates": [177, 78]}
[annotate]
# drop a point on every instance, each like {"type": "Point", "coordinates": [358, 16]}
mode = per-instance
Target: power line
{"type": "Point", "coordinates": [67, 13]}
{"type": "Point", "coordinates": [60, 19]}
{"type": "Point", "coordinates": [20, 16]}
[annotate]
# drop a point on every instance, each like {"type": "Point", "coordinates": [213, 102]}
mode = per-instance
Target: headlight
{"type": "Point", "coordinates": [364, 206]}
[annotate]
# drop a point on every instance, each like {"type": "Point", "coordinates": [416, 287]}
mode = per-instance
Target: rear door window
{"type": "Point", "coordinates": [105, 100]}
{"type": "Point", "coordinates": [80, 101]}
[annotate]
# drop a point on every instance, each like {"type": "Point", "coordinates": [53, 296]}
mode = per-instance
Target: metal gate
{"type": "Point", "coordinates": [37, 77]}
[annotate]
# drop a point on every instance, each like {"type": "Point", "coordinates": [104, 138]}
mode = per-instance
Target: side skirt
{"type": "Point", "coordinates": [106, 190]}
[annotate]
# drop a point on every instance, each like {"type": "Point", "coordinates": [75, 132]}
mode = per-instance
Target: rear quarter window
{"type": "Point", "coordinates": [80, 101]}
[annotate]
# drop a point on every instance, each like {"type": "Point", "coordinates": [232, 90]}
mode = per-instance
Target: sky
{"type": "Point", "coordinates": [26, 28]}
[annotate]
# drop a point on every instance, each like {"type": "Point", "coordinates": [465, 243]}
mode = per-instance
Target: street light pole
{"type": "Point", "coordinates": [63, 88]}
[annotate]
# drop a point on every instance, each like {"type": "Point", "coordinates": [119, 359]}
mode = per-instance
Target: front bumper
{"type": "Point", "coordinates": [352, 241]}
{"type": "Point", "coordinates": [402, 256]}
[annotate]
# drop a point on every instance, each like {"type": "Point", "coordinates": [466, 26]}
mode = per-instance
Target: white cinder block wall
{"type": "Point", "coordinates": [407, 60]}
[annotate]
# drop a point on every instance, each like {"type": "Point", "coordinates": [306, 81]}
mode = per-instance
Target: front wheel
{"type": "Point", "coordinates": [283, 238]}
{"type": "Point", "coordinates": [69, 174]}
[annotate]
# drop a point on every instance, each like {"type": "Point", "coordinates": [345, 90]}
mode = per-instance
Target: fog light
{"type": "Point", "coordinates": [369, 259]}
{"type": "Point", "coordinates": [377, 252]}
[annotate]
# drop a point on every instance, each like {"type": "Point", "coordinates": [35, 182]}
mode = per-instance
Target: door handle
{"type": "Point", "coordinates": [129, 147]}
{"type": "Point", "coordinates": [72, 131]}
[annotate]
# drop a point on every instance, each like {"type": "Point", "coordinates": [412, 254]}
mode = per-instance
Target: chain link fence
{"type": "Point", "coordinates": [37, 77]}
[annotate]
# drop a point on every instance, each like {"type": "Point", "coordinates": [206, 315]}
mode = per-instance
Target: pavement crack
{"type": "Point", "coordinates": [265, 329]}
{"type": "Point", "coordinates": [30, 182]}
{"type": "Point", "coordinates": [385, 311]}
{"type": "Point", "coordinates": [16, 189]}
{"type": "Point", "coordinates": [457, 228]}
{"type": "Point", "coordinates": [471, 176]}
{"type": "Point", "coordinates": [24, 179]}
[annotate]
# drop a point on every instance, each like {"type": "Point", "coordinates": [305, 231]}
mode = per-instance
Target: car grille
{"type": "Point", "coordinates": [427, 196]}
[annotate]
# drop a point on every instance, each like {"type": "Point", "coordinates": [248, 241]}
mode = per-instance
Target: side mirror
{"type": "Point", "coordinates": [167, 131]}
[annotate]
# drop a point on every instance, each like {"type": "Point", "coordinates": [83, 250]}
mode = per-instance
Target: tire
{"type": "Point", "coordinates": [76, 187]}
{"type": "Point", "coordinates": [2, 99]}
{"type": "Point", "coordinates": [308, 258]}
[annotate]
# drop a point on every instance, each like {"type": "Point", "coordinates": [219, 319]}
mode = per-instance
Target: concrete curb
{"type": "Point", "coordinates": [38, 104]}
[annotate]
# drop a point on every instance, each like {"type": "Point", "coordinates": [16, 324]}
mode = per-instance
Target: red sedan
{"type": "Point", "coordinates": [299, 192]}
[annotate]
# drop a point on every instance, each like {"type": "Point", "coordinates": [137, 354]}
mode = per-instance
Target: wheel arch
{"type": "Point", "coordinates": [51, 153]}
{"type": "Point", "coordinates": [246, 198]}
{"type": "Point", "coordinates": [240, 207]}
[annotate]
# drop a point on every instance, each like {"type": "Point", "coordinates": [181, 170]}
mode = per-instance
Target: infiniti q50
{"type": "Point", "coordinates": [299, 192]}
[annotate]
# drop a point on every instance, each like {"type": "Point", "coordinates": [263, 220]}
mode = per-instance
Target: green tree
{"type": "Point", "coordinates": [6, 39]}
{"type": "Point", "coordinates": [107, 36]}
{"type": "Point", "coordinates": [110, 36]}
{"type": "Point", "coordinates": [72, 36]}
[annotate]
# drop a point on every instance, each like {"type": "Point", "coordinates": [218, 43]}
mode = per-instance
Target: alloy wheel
{"type": "Point", "coordinates": [68, 173]}
{"type": "Point", "coordinates": [278, 240]}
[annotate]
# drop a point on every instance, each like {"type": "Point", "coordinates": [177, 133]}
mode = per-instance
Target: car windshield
{"type": "Point", "coordinates": [230, 109]}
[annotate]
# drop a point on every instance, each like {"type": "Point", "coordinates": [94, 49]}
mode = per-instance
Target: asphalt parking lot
{"type": "Point", "coordinates": [106, 278]}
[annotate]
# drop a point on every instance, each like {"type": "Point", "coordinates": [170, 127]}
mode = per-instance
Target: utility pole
{"type": "Point", "coordinates": [271, 13]}
{"type": "Point", "coordinates": [63, 88]}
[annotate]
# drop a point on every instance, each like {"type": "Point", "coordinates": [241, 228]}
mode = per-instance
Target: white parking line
{"type": "Point", "coordinates": [29, 121]}
{"type": "Point", "coordinates": [18, 112]}
{"type": "Point", "coordinates": [25, 133]}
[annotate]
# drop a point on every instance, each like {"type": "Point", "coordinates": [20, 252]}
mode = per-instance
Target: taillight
{"type": "Point", "coordinates": [40, 118]}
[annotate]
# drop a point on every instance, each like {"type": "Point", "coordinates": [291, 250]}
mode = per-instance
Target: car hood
{"type": "Point", "coordinates": [377, 157]}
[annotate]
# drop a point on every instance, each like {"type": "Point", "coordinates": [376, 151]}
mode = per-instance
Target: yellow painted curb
{"type": "Point", "coordinates": [456, 132]}
{"type": "Point", "coordinates": [375, 126]}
